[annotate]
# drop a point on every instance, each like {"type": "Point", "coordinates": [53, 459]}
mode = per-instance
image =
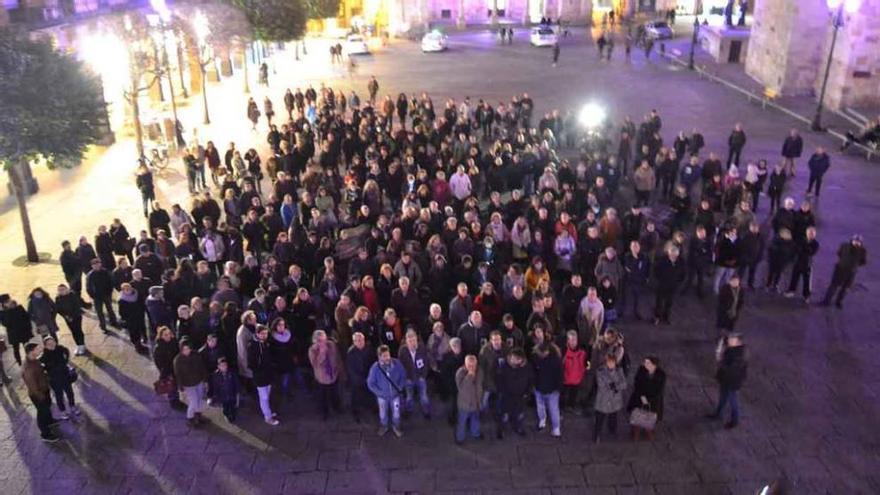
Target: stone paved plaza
{"type": "Point", "coordinates": [810, 405]}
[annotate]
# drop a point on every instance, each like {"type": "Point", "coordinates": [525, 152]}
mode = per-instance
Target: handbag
{"type": "Point", "coordinates": [72, 374]}
{"type": "Point", "coordinates": [643, 418]}
{"type": "Point", "coordinates": [164, 386]}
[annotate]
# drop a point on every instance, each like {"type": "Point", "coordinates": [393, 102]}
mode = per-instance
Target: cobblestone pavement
{"type": "Point", "coordinates": [810, 403]}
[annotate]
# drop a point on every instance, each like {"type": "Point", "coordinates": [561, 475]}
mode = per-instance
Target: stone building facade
{"type": "Point", "coordinates": [790, 43]}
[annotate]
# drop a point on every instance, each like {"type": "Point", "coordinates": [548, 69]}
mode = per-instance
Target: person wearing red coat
{"type": "Point", "coordinates": [574, 369]}
{"type": "Point", "coordinates": [489, 304]}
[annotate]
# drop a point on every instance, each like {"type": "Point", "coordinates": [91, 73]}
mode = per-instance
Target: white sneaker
{"type": "Point", "coordinates": [556, 432]}
{"type": "Point", "coordinates": [542, 424]}
{"type": "Point", "coordinates": [272, 421]}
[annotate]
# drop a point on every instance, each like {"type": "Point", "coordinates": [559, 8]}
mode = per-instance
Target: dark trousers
{"type": "Point", "coordinates": [570, 396]}
{"type": "Point", "coordinates": [840, 283]}
{"type": "Point", "coordinates": [815, 180]}
{"type": "Point", "coordinates": [728, 396]}
{"type": "Point", "coordinates": [663, 304]}
{"type": "Point", "coordinates": [775, 200]}
{"type": "Point", "coordinates": [102, 303]}
{"type": "Point", "coordinates": [774, 274]}
{"type": "Point", "coordinates": [667, 185]}
{"type": "Point", "coordinates": [44, 416]}
{"type": "Point", "coordinates": [600, 419]}
{"type": "Point", "coordinates": [633, 292]}
{"type": "Point", "coordinates": [514, 412]}
{"type": "Point", "coordinates": [230, 409]}
{"type": "Point", "coordinates": [804, 275]}
{"type": "Point", "coordinates": [75, 326]}
{"type": "Point", "coordinates": [752, 269]}
{"type": "Point", "coordinates": [643, 198]}
{"type": "Point", "coordinates": [327, 397]}
{"type": "Point", "coordinates": [59, 390]}
{"type": "Point", "coordinates": [733, 156]}
{"type": "Point", "coordinates": [695, 274]}
{"type": "Point", "coordinates": [360, 398]}
{"type": "Point", "coordinates": [16, 350]}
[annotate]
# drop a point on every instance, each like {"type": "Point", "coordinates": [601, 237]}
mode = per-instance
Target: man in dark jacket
{"type": "Point", "coordinates": [803, 264]}
{"type": "Point", "coordinates": [69, 306]}
{"type": "Point", "coordinates": [514, 380]}
{"type": "Point", "coordinates": [819, 163]}
{"type": "Point", "coordinates": [99, 285]}
{"type": "Point", "coordinates": [572, 294]}
{"type": "Point", "coordinates": [670, 273]}
{"type": "Point", "coordinates": [727, 257]}
{"type": "Point", "coordinates": [751, 252]}
{"type": "Point", "coordinates": [735, 144]}
{"type": "Point", "coordinates": [358, 361]}
{"type": "Point", "coordinates": [700, 254]}
{"type": "Point", "coordinates": [548, 385]}
{"type": "Point", "coordinates": [850, 256]}
{"type": "Point", "coordinates": [73, 271]}
{"type": "Point", "coordinates": [37, 383]}
{"type": "Point", "coordinates": [473, 334]}
{"type": "Point", "coordinates": [731, 299]}
{"type": "Point", "coordinates": [792, 148]}
{"type": "Point", "coordinates": [731, 374]}
{"type": "Point", "coordinates": [636, 271]}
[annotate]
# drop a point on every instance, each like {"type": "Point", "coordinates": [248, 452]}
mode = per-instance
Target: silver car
{"type": "Point", "coordinates": [658, 30]}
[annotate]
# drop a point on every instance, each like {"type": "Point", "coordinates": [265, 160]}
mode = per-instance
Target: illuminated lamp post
{"type": "Point", "coordinates": [837, 21]}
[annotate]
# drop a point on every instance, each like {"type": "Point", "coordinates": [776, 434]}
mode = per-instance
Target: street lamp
{"type": "Point", "coordinates": [203, 30]}
{"type": "Point", "coordinates": [592, 115]}
{"type": "Point", "coordinates": [694, 43]}
{"type": "Point", "coordinates": [837, 22]}
{"type": "Point", "coordinates": [160, 20]}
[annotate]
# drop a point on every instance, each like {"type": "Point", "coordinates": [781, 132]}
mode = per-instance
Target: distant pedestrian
{"type": "Point", "coordinates": [819, 163]}
{"type": "Point", "coordinates": [850, 256]}
{"type": "Point", "coordinates": [555, 54]}
{"type": "Point", "coordinates": [792, 148]}
{"type": "Point", "coordinates": [225, 389]}
{"type": "Point", "coordinates": [253, 113]}
{"type": "Point", "coordinates": [731, 374]}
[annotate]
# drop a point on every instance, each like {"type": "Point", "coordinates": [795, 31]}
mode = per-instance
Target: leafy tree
{"type": "Point", "coordinates": [322, 9]}
{"type": "Point", "coordinates": [51, 108]}
{"type": "Point", "coordinates": [275, 20]}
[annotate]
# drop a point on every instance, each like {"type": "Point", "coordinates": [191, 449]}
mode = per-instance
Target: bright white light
{"type": "Point", "coordinates": [592, 115]}
{"type": "Point", "coordinates": [200, 23]}
{"type": "Point", "coordinates": [161, 8]}
{"type": "Point", "coordinates": [849, 5]}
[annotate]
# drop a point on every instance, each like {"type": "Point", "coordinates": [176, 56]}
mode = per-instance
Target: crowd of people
{"type": "Point", "coordinates": [395, 253]}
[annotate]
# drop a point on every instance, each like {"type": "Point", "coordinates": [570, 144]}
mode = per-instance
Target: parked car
{"type": "Point", "coordinates": [542, 36]}
{"type": "Point", "coordinates": [658, 30]}
{"type": "Point", "coordinates": [434, 41]}
{"type": "Point", "coordinates": [355, 44]}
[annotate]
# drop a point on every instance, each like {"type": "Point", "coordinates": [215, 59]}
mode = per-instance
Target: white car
{"type": "Point", "coordinates": [542, 36]}
{"type": "Point", "coordinates": [659, 30]}
{"type": "Point", "coordinates": [355, 44]}
{"type": "Point", "coordinates": [434, 41]}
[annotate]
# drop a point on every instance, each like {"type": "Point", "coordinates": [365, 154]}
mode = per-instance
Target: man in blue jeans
{"type": "Point", "coordinates": [386, 381]}
{"type": "Point", "coordinates": [469, 381]}
{"type": "Point", "coordinates": [731, 374]}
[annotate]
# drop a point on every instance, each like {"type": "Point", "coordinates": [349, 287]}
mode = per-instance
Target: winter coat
{"type": "Point", "coordinates": [489, 361]}
{"type": "Point", "coordinates": [609, 268]}
{"type": "Point", "coordinates": [513, 384]}
{"type": "Point", "coordinates": [243, 337]}
{"type": "Point", "coordinates": [259, 361]}
{"type": "Point", "coordinates": [548, 372]}
{"type": "Point", "coordinates": [416, 366]}
{"type": "Point", "coordinates": [730, 305]}
{"type": "Point", "coordinates": [792, 147]}
{"type": "Point", "coordinates": [224, 386]}
{"type": "Point", "coordinates": [390, 385]}
{"type": "Point", "coordinates": [670, 275]}
{"type": "Point", "coordinates": [472, 338]}
{"type": "Point", "coordinates": [325, 363]}
{"type": "Point", "coordinates": [610, 385]}
{"type": "Point", "coordinates": [651, 387]}
{"type": "Point", "coordinates": [470, 389]}
{"type": "Point", "coordinates": [55, 362]}
{"type": "Point", "coordinates": [574, 366]}
{"type": "Point", "coordinates": [281, 347]}
{"type": "Point", "coordinates": [163, 356]}
{"type": "Point", "coordinates": [819, 164]}
{"type": "Point", "coordinates": [358, 363]}
{"type": "Point", "coordinates": [35, 379]}
{"type": "Point", "coordinates": [190, 371]}
{"type": "Point", "coordinates": [644, 179]}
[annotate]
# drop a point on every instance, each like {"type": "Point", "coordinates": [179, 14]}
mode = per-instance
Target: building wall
{"type": "Point", "coordinates": [854, 78]}
{"type": "Point", "coordinates": [785, 49]}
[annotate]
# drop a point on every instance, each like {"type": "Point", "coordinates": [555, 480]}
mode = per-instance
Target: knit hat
{"type": "Point", "coordinates": [185, 342]}
{"type": "Point", "coordinates": [30, 346]}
